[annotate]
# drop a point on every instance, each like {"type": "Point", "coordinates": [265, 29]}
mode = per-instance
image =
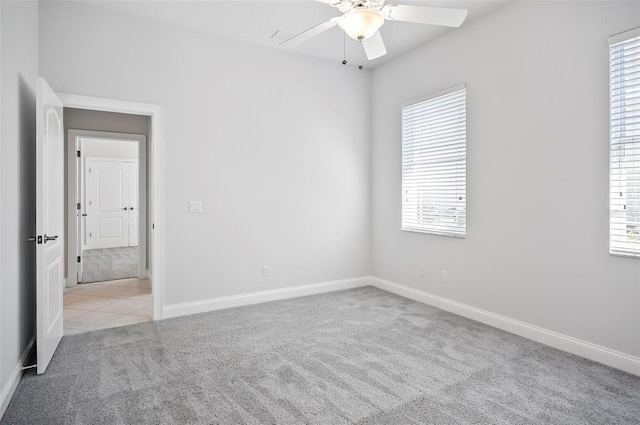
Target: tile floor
{"type": "Point", "coordinates": [92, 306]}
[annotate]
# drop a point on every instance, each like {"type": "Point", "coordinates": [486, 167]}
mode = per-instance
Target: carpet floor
{"type": "Point", "coordinates": [101, 265]}
{"type": "Point", "coordinates": [361, 356]}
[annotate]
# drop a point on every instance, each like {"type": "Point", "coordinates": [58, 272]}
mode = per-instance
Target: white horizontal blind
{"type": "Point", "coordinates": [434, 164]}
{"type": "Point", "coordinates": [624, 179]}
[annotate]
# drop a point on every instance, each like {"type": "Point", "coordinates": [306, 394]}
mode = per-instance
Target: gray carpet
{"type": "Point", "coordinates": [100, 265]}
{"type": "Point", "coordinates": [361, 356]}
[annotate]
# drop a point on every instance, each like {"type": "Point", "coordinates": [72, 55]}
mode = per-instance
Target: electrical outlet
{"type": "Point", "coordinates": [421, 271]}
{"type": "Point", "coordinates": [265, 271]}
{"type": "Point", "coordinates": [195, 206]}
{"type": "Point", "coordinates": [445, 276]}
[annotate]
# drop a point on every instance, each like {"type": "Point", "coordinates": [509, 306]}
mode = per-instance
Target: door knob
{"type": "Point", "coordinates": [125, 208]}
{"type": "Point", "coordinates": [49, 238]}
{"type": "Point", "coordinates": [131, 208]}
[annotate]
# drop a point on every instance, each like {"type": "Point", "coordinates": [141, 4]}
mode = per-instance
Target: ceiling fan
{"type": "Point", "coordinates": [361, 20]}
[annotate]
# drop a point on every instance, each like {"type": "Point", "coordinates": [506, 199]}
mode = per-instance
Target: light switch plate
{"type": "Point", "coordinates": [195, 206]}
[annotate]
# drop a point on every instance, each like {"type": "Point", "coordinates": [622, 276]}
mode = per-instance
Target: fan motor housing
{"type": "Point", "coordinates": [348, 5]}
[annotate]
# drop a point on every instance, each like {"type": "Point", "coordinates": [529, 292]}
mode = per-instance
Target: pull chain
{"type": "Point", "coordinates": [344, 49]}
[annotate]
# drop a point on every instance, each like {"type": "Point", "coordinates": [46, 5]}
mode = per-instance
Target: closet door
{"type": "Point", "coordinates": [108, 203]}
{"type": "Point", "coordinates": [133, 203]}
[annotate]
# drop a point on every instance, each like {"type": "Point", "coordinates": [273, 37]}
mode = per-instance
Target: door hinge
{"type": "Point", "coordinates": [78, 154]}
{"type": "Point", "coordinates": [78, 206]}
{"type": "Point", "coordinates": [78, 258]}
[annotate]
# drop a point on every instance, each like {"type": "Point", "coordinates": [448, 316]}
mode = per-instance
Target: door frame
{"type": "Point", "coordinates": [155, 145]}
{"type": "Point", "coordinates": [73, 223]}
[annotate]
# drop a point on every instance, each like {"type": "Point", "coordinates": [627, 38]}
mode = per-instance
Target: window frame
{"type": "Point", "coordinates": [425, 230]}
{"type": "Point", "coordinates": [616, 251]}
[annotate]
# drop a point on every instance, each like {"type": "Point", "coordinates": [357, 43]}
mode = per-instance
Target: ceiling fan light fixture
{"type": "Point", "coordinates": [361, 23]}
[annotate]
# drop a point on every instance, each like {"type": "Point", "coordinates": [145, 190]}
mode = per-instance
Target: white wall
{"type": "Point", "coordinates": [104, 148]}
{"type": "Point", "coordinates": [111, 122]}
{"type": "Point", "coordinates": [19, 70]}
{"type": "Point", "coordinates": [537, 171]}
{"type": "Point", "coordinates": [274, 145]}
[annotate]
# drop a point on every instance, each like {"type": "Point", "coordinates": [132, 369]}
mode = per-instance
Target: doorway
{"type": "Point", "coordinates": [107, 218]}
{"type": "Point", "coordinates": [107, 201]}
{"type": "Point", "coordinates": [154, 187]}
{"type": "Point", "coordinates": [108, 228]}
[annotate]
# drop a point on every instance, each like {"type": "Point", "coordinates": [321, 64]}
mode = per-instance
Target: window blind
{"type": "Point", "coordinates": [434, 164]}
{"type": "Point", "coordinates": [624, 178]}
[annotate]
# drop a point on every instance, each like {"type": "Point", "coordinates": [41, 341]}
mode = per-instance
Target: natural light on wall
{"type": "Point", "coordinates": [434, 163]}
{"type": "Point", "coordinates": [624, 178]}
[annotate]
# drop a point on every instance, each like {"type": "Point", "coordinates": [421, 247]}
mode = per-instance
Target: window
{"type": "Point", "coordinates": [434, 163]}
{"type": "Point", "coordinates": [624, 171]}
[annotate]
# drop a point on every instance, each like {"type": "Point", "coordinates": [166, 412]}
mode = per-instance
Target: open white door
{"type": "Point", "coordinates": [49, 223]}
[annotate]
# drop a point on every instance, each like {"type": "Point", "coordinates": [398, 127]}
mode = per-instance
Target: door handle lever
{"type": "Point", "coordinates": [31, 239]}
{"type": "Point", "coordinates": [49, 238]}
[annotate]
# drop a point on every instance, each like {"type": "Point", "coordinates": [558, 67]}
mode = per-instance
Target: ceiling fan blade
{"type": "Point", "coordinates": [425, 14]}
{"type": "Point", "coordinates": [374, 46]}
{"type": "Point", "coordinates": [311, 32]}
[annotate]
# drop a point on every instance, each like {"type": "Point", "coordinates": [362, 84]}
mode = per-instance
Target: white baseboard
{"type": "Point", "coordinates": [14, 380]}
{"type": "Point", "coordinates": [604, 355]}
{"type": "Point", "coordinates": [609, 357]}
{"type": "Point", "coordinates": [182, 309]}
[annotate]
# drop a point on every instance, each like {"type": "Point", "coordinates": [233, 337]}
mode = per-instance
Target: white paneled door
{"type": "Point", "coordinates": [49, 223]}
{"type": "Point", "coordinates": [112, 201]}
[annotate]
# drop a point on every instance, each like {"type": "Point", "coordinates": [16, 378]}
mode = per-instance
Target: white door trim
{"type": "Point", "coordinates": [156, 177]}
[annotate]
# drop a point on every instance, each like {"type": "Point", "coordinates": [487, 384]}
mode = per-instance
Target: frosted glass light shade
{"type": "Point", "coordinates": [361, 23]}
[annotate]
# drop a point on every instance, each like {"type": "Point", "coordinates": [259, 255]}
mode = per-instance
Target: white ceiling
{"type": "Point", "coordinates": [257, 21]}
